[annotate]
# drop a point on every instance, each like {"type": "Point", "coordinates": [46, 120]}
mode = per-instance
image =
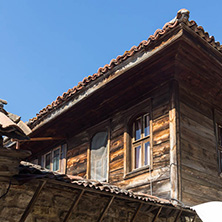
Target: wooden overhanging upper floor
{"type": "Point", "coordinates": [181, 51]}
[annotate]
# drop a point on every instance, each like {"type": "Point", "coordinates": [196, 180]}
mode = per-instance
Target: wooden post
{"type": "Point", "coordinates": [32, 201]}
{"type": "Point", "coordinates": [73, 206]}
{"type": "Point", "coordinates": [106, 209]}
{"type": "Point", "coordinates": [17, 145]}
{"type": "Point", "coordinates": [174, 141]}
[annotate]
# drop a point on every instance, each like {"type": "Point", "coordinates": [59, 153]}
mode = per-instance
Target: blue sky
{"type": "Point", "coordinates": [48, 46]}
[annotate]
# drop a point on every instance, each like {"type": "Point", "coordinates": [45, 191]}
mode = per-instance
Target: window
{"type": "Point", "coordinates": [141, 142]}
{"type": "Point", "coordinates": [99, 156]}
{"type": "Point", "coordinates": [219, 139]}
{"type": "Point", "coordinates": [55, 160]}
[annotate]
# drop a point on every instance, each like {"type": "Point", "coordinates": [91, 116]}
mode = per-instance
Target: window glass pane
{"type": "Point", "coordinates": [138, 157]}
{"type": "Point", "coordinates": [146, 125]}
{"type": "Point", "coordinates": [55, 160]}
{"type": "Point", "coordinates": [63, 158]}
{"type": "Point", "coordinates": [47, 161]}
{"type": "Point", "coordinates": [99, 156]}
{"type": "Point", "coordinates": [138, 128]}
{"type": "Point", "coordinates": [147, 153]}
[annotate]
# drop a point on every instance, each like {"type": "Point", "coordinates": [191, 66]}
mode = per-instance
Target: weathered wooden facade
{"type": "Point", "coordinates": [168, 86]}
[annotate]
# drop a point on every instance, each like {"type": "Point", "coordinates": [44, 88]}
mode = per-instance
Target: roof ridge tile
{"type": "Point", "coordinates": [182, 17]}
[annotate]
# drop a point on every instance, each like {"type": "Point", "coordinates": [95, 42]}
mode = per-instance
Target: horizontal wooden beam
{"type": "Point", "coordinates": [40, 139]}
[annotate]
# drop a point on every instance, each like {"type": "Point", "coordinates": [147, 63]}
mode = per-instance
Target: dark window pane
{"type": "Point", "coordinates": [138, 129]}
{"type": "Point", "coordinates": [99, 156]}
{"type": "Point", "coordinates": [47, 161]}
{"type": "Point", "coordinates": [138, 157]}
{"type": "Point", "coordinates": [146, 125]}
{"type": "Point", "coordinates": [147, 153]}
{"type": "Point", "coordinates": [56, 160]}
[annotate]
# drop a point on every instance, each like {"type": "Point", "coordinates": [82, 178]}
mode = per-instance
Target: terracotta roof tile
{"type": "Point", "coordinates": [182, 17]}
{"type": "Point", "coordinates": [29, 171]}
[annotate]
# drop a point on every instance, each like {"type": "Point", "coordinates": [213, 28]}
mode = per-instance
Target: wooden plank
{"type": "Point", "coordinates": [157, 215]}
{"type": "Point", "coordinates": [40, 139]}
{"type": "Point", "coordinates": [73, 206]}
{"type": "Point", "coordinates": [33, 201]}
{"type": "Point", "coordinates": [178, 215]}
{"type": "Point", "coordinates": [174, 142]}
{"type": "Point", "coordinates": [136, 212]}
{"type": "Point", "coordinates": [106, 209]}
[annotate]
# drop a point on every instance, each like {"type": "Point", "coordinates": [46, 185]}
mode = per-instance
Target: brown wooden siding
{"type": "Point", "coordinates": [200, 179]}
{"type": "Point", "coordinates": [158, 178]}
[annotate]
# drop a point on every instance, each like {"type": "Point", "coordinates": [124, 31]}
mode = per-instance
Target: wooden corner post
{"type": "Point", "coordinates": [174, 117]}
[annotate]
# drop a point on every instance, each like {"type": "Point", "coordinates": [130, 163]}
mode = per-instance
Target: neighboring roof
{"type": "Point", "coordinates": [29, 171]}
{"type": "Point", "coordinates": [10, 128]}
{"type": "Point", "coordinates": [182, 17]}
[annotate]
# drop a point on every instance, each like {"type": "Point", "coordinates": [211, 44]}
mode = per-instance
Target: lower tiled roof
{"type": "Point", "coordinates": [29, 171]}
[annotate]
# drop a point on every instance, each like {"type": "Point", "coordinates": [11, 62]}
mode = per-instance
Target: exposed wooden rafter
{"type": "Point", "coordinates": [178, 216]}
{"type": "Point", "coordinates": [157, 215]}
{"type": "Point", "coordinates": [32, 201]}
{"type": "Point", "coordinates": [73, 206]}
{"type": "Point", "coordinates": [136, 212]}
{"type": "Point", "coordinates": [106, 209]}
{"type": "Point", "coordinates": [87, 189]}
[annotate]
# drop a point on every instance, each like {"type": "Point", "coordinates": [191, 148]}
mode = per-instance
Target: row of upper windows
{"type": "Point", "coordinates": [139, 150]}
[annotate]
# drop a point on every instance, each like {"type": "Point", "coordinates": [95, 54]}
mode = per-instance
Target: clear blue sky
{"type": "Point", "coordinates": [48, 46]}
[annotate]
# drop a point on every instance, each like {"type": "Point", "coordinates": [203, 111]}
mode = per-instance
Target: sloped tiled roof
{"type": "Point", "coordinates": [182, 17]}
{"type": "Point", "coordinates": [29, 171]}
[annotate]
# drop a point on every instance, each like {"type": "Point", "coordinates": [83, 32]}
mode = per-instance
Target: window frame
{"type": "Point", "coordinates": [142, 108]}
{"type": "Point", "coordinates": [51, 153]}
{"type": "Point", "coordinates": [92, 131]}
{"type": "Point", "coordinates": [140, 142]}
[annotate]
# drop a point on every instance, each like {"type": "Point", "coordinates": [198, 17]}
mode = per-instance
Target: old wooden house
{"type": "Point", "coordinates": [31, 193]}
{"type": "Point", "coordinates": [149, 122]}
